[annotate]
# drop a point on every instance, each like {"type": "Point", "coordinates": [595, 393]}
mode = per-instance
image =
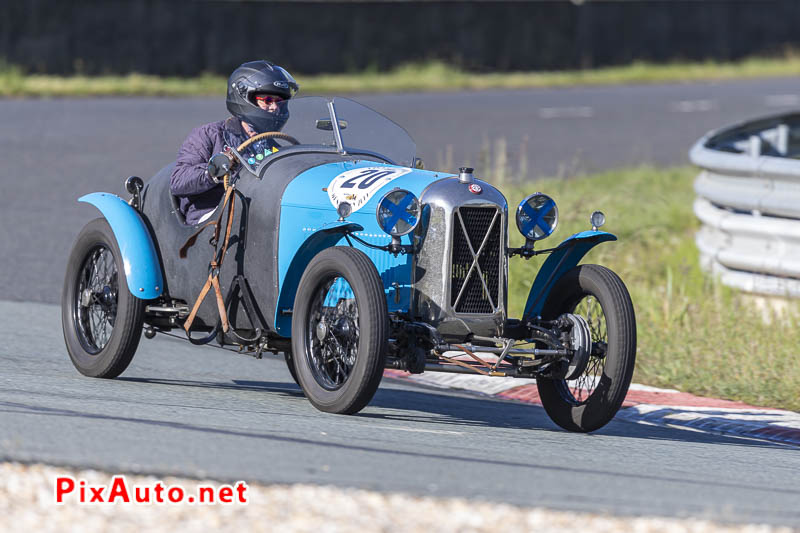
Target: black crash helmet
{"type": "Point", "coordinates": [260, 77]}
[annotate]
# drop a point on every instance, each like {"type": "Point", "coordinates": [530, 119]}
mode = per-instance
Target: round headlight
{"type": "Point", "coordinates": [537, 216]}
{"type": "Point", "coordinates": [398, 212]}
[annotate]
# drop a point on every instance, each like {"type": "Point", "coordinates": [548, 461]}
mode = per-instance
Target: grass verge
{"type": "Point", "coordinates": [694, 334]}
{"type": "Point", "coordinates": [429, 76]}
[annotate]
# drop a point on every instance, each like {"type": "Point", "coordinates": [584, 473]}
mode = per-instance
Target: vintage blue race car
{"type": "Point", "coordinates": [339, 251]}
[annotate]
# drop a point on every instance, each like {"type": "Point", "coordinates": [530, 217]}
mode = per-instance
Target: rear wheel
{"type": "Point", "coordinates": [591, 400]}
{"type": "Point", "coordinates": [340, 330]}
{"type": "Point", "coordinates": [100, 318]}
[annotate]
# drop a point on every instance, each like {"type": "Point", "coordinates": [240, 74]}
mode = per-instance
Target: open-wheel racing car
{"type": "Point", "coordinates": [339, 251]}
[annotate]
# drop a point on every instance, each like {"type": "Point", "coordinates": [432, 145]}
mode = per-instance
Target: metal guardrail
{"type": "Point", "coordinates": [748, 201]}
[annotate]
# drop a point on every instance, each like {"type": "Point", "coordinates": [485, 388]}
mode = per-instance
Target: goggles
{"type": "Point", "coordinates": [268, 99]}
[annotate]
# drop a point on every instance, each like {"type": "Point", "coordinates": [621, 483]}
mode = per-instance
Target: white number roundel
{"type": "Point", "coordinates": [358, 185]}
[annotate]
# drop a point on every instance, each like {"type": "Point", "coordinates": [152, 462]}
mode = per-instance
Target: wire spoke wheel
{"type": "Point", "coordinates": [580, 389]}
{"type": "Point", "coordinates": [95, 302]}
{"type": "Point", "coordinates": [590, 401]}
{"type": "Point", "coordinates": [340, 330]}
{"type": "Point", "coordinates": [101, 319]}
{"type": "Point", "coordinates": [333, 333]}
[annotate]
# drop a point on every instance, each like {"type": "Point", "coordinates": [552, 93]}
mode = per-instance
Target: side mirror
{"type": "Point", "coordinates": [325, 124]}
{"type": "Point", "coordinates": [134, 184]}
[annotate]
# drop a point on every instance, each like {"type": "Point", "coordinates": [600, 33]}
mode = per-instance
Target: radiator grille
{"type": "Point", "coordinates": [470, 227]}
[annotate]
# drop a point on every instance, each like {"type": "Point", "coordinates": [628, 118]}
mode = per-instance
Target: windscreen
{"type": "Point", "coordinates": [309, 121]}
{"type": "Point", "coordinates": [308, 118]}
{"type": "Point", "coordinates": [367, 129]}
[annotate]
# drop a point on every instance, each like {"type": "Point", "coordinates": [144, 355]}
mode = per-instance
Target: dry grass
{"type": "Point", "coordinates": [694, 333]}
{"type": "Point", "coordinates": [429, 76]}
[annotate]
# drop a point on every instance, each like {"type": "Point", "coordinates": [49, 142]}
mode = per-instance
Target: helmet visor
{"type": "Point", "coordinates": [269, 113]}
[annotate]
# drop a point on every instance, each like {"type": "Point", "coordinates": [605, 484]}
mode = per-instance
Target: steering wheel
{"type": "Point", "coordinates": [267, 135]}
{"type": "Point", "coordinates": [224, 164]}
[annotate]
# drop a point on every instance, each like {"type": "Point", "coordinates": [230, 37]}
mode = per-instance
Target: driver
{"type": "Point", "coordinates": [256, 91]}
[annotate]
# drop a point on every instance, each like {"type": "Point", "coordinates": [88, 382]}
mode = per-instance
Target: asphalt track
{"type": "Point", "coordinates": [205, 412]}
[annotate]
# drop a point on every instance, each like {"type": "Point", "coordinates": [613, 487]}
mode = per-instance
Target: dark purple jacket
{"type": "Point", "coordinates": [190, 182]}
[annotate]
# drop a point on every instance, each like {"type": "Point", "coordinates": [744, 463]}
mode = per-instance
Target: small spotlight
{"type": "Point", "coordinates": [344, 210]}
{"type": "Point", "coordinates": [598, 219]}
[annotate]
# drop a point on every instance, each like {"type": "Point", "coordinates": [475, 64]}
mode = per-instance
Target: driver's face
{"type": "Point", "coordinates": [268, 102]}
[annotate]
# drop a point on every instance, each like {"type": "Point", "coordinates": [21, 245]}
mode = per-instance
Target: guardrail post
{"type": "Point", "coordinates": [754, 148]}
{"type": "Point", "coordinates": [782, 143]}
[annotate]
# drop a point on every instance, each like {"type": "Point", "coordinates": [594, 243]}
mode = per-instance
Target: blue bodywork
{"type": "Point", "coordinates": [309, 224]}
{"type": "Point", "coordinates": [565, 257]}
{"type": "Point", "coordinates": [307, 227]}
{"type": "Point", "coordinates": [139, 257]}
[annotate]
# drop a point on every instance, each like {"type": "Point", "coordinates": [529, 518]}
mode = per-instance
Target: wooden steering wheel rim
{"type": "Point", "coordinates": [267, 135]}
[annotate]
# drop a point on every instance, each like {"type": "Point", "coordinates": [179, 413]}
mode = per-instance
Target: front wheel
{"type": "Point", "coordinates": [100, 318]}
{"type": "Point", "coordinates": [591, 400]}
{"type": "Point", "coordinates": [340, 330]}
{"type": "Point", "coordinates": [289, 358]}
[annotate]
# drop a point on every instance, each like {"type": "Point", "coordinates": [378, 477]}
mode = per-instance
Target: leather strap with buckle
{"type": "Point", "coordinates": [215, 266]}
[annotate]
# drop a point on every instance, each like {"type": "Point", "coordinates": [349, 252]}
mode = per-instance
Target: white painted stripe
{"type": "Point", "coordinates": [764, 417]}
{"type": "Point", "coordinates": [739, 422]}
{"type": "Point", "coordinates": [566, 112]}
{"type": "Point", "coordinates": [487, 384]}
{"type": "Point", "coordinates": [725, 420]}
{"type": "Point", "coordinates": [483, 384]}
{"type": "Point", "coordinates": [494, 385]}
{"type": "Point", "coordinates": [782, 100]}
{"type": "Point", "coordinates": [693, 106]}
{"type": "Point", "coordinates": [648, 388]}
{"type": "Point", "coordinates": [417, 430]}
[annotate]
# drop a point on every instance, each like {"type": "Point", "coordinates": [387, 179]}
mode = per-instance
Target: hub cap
{"type": "Point", "coordinates": [578, 390]}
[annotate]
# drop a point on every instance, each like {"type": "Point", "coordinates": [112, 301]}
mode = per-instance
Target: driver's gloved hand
{"type": "Point", "coordinates": [220, 164]}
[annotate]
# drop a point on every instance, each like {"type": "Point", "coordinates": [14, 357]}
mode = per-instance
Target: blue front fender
{"type": "Point", "coordinates": [329, 235]}
{"type": "Point", "coordinates": [139, 257]}
{"type": "Point", "coordinates": [565, 257]}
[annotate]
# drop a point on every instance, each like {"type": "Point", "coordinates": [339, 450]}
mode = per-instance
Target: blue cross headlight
{"type": "Point", "coordinates": [537, 216]}
{"type": "Point", "coordinates": [398, 212]}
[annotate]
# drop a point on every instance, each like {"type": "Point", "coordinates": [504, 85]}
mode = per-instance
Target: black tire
{"type": "Point", "coordinates": [100, 318]}
{"type": "Point", "coordinates": [287, 355]}
{"type": "Point", "coordinates": [591, 401]}
{"type": "Point", "coordinates": [340, 349]}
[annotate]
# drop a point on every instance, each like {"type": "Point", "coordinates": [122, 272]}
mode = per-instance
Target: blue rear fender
{"type": "Point", "coordinates": [563, 259]}
{"type": "Point", "coordinates": [139, 256]}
